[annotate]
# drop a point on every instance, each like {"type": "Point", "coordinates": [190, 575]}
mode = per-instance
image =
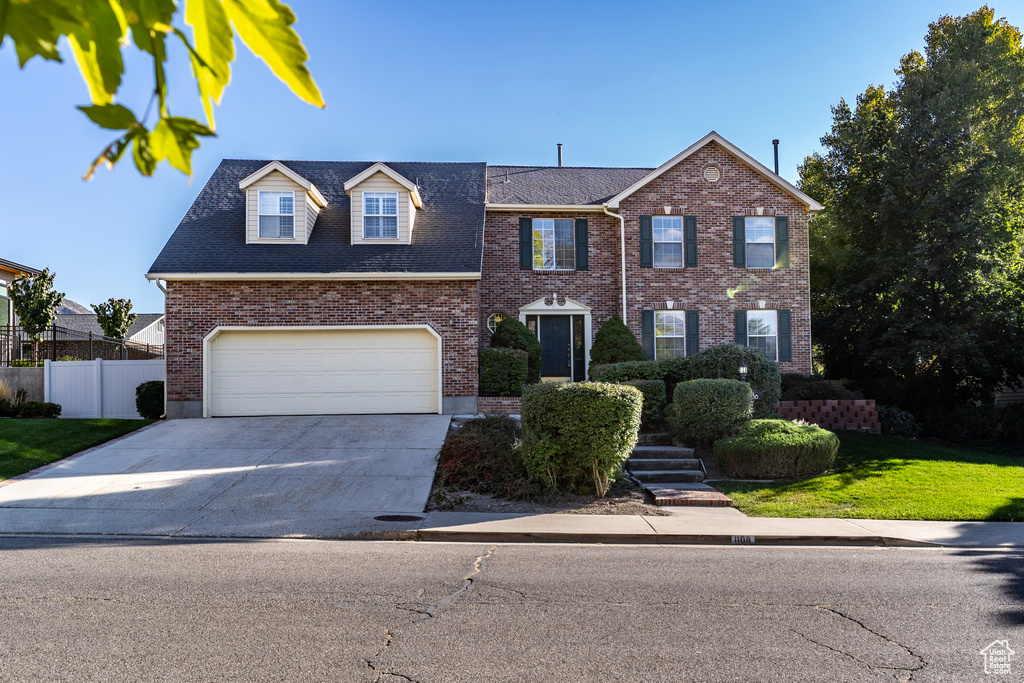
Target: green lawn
{"type": "Point", "coordinates": [882, 477]}
{"type": "Point", "coordinates": [28, 444]}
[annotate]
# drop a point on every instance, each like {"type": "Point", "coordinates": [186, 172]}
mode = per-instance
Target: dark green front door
{"type": "Point", "coordinates": [554, 341]}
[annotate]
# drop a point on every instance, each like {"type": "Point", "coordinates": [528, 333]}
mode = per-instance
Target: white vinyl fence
{"type": "Point", "coordinates": [98, 388]}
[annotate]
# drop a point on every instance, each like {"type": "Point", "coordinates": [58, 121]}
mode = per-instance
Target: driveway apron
{"type": "Point", "coordinates": [325, 477]}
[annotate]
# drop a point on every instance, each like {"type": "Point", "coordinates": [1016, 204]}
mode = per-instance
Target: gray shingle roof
{"type": "Point", "coordinates": [86, 322]}
{"type": "Point", "coordinates": [558, 184]}
{"type": "Point", "coordinates": [447, 237]}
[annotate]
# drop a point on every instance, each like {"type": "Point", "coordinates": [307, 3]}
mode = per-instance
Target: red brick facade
{"type": "Point", "coordinates": [715, 287]}
{"type": "Point", "coordinates": [194, 308]}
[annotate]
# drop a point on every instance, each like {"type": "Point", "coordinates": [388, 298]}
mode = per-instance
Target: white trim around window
{"type": "Point", "coordinates": [554, 244]}
{"type": "Point", "coordinates": [667, 234]}
{"type": "Point", "coordinates": [669, 334]}
{"type": "Point", "coordinates": [760, 238]}
{"type": "Point", "coordinates": [380, 215]}
{"type": "Point", "coordinates": [277, 215]}
{"type": "Point", "coordinates": [763, 332]}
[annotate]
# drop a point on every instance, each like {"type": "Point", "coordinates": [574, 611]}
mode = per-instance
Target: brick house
{"type": "Point", "coordinates": [334, 287]}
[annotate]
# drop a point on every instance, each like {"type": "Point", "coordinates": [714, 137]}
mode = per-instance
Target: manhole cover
{"type": "Point", "coordinates": [398, 518]}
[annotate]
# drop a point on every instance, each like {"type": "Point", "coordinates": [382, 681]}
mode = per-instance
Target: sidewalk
{"type": "Point", "coordinates": [715, 526]}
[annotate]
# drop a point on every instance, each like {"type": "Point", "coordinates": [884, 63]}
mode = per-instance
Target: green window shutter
{"type": "Point", "coordinates": [739, 242]}
{"type": "Point", "coordinates": [692, 332]}
{"type": "Point", "coordinates": [785, 337]}
{"type": "Point", "coordinates": [690, 240]}
{"type": "Point", "coordinates": [647, 332]}
{"type": "Point", "coordinates": [525, 243]}
{"type": "Point", "coordinates": [741, 328]}
{"type": "Point", "coordinates": [646, 243]}
{"type": "Point", "coordinates": [582, 242]}
{"type": "Point", "coordinates": [782, 241]}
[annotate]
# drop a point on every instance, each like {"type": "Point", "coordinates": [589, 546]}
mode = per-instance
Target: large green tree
{"type": "Point", "coordinates": [115, 317]}
{"type": "Point", "coordinates": [35, 303]}
{"type": "Point", "coordinates": [97, 32]}
{"type": "Point", "coordinates": [916, 262]}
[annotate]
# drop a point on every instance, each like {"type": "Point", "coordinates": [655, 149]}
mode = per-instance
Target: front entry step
{"type": "Point", "coordinates": [696, 494]}
{"type": "Point", "coordinates": [673, 475]}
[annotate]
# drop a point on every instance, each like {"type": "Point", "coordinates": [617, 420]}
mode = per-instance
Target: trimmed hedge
{"type": "Point", "coordinates": [576, 436]}
{"type": "Point", "coordinates": [797, 387]}
{"type": "Point", "coordinates": [703, 410]}
{"type": "Point", "coordinates": [502, 371]}
{"type": "Point", "coordinates": [615, 343]}
{"type": "Point", "coordinates": [655, 399]}
{"type": "Point", "coordinates": [149, 399]}
{"type": "Point", "coordinates": [512, 334]}
{"type": "Point", "coordinates": [37, 409]}
{"type": "Point", "coordinates": [723, 362]}
{"type": "Point", "coordinates": [627, 371]}
{"type": "Point", "coordinates": [777, 449]}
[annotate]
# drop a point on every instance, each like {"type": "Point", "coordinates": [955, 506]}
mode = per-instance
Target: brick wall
{"type": "Point", "coordinates": [194, 308]}
{"type": "Point", "coordinates": [714, 287]}
{"type": "Point", "coordinates": [859, 415]}
{"type": "Point", "coordinates": [499, 405]}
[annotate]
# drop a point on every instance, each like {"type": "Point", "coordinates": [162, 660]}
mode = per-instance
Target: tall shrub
{"type": "Point", "coordinates": [615, 343]}
{"type": "Point", "coordinates": [723, 362]}
{"type": "Point", "coordinates": [502, 371]}
{"type": "Point", "coordinates": [115, 317]}
{"type": "Point", "coordinates": [576, 436]}
{"type": "Point", "coordinates": [512, 334]}
{"type": "Point", "coordinates": [703, 410]}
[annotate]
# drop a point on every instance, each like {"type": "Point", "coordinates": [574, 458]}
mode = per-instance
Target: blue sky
{"type": "Point", "coordinates": [618, 83]}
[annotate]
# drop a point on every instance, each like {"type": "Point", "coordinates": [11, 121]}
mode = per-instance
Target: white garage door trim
{"type": "Point", "coordinates": [217, 331]}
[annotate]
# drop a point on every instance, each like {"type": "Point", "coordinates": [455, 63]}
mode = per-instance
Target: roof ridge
{"type": "Point", "coordinates": [608, 168]}
{"type": "Point", "coordinates": [355, 161]}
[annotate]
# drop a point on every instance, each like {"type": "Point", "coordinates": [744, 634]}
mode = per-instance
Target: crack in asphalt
{"type": "Point", "coordinates": [467, 585]}
{"type": "Point", "coordinates": [909, 671]}
{"type": "Point", "coordinates": [388, 639]}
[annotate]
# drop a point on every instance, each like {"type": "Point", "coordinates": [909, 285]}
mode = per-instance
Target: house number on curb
{"type": "Point", "coordinates": [743, 540]}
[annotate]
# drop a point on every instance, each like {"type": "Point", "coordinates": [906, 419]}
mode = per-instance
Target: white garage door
{"type": "Point", "coordinates": [323, 372]}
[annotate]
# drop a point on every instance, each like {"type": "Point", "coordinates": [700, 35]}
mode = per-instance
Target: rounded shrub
{"type": "Point", "coordinates": [512, 334]}
{"type": "Point", "coordinates": [502, 371]}
{"type": "Point", "coordinates": [703, 410]}
{"type": "Point", "coordinates": [35, 409]}
{"type": "Point", "coordinates": [576, 436]}
{"type": "Point", "coordinates": [777, 449]}
{"type": "Point", "coordinates": [723, 362]}
{"type": "Point", "coordinates": [615, 343]}
{"type": "Point", "coordinates": [654, 399]}
{"type": "Point", "coordinates": [627, 371]}
{"type": "Point", "coordinates": [149, 400]}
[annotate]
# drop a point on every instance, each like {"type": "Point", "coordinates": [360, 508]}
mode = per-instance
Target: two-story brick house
{"type": "Point", "coordinates": [334, 287]}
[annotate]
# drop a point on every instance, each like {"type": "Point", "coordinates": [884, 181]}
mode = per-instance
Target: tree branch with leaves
{"type": "Point", "coordinates": [97, 31]}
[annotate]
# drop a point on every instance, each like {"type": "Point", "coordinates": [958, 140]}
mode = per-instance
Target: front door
{"type": "Point", "coordinates": [554, 341]}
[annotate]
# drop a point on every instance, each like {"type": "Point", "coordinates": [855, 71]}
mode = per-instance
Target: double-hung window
{"type": "Point", "coordinates": [667, 232]}
{"type": "Point", "coordinates": [277, 215]}
{"type": "Point", "coordinates": [554, 244]}
{"type": "Point", "coordinates": [380, 215]}
{"type": "Point", "coordinates": [760, 238]}
{"type": "Point", "coordinates": [669, 334]}
{"type": "Point", "coordinates": [763, 332]}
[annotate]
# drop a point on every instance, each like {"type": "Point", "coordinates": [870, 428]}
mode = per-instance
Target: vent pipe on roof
{"type": "Point", "coordinates": [559, 154]}
{"type": "Point", "coordinates": [775, 143]}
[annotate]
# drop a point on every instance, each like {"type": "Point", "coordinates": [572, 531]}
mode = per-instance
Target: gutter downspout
{"type": "Point", "coordinates": [622, 244]}
{"type": "Point", "coordinates": [164, 290]}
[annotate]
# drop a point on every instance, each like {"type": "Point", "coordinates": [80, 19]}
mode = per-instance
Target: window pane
{"type": "Point", "coordinates": [270, 226]}
{"type": "Point", "coordinates": [761, 322]}
{"type": "Point", "coordinates": [543, 244]}
{"type": "Point", "coordinates": [760, 255]}
{"type": "Point", "coordinates": [372, 205]}
{"type": "Point", "coordinates": [667, 228]}
{"type": "Point", "coordinates": [668, 255]}
{"type": "Point", "coordinates": [389, 227]}
{"type": "Point", "coordinates": [669, 347]}
{"type": "Point", "coordinates": [371, 227]}
{"type": "Point", "coordinates": [286, 204]}
{"type": "Point", "coordinates": [766, 344]}
{"type": "Point", "coordinates": [270, 202]}
{"type": "Point", "coordinates": [286, 226]}
{"type": "Point", "coordinates": [389, 205]}
{"type": "Point", "coordinates": [760, 228]}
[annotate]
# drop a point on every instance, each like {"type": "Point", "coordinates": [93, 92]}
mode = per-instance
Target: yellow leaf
{"type": "Point", "coordinates": [214, 42]}
{"type": "Point", "coordinates": [165, 146]}
{"type": "Point", "coordinates": [266, 27]}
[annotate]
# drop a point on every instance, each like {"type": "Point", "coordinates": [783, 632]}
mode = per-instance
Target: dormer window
{"type": "Point", "coordinates": [380, 215]}
{"type": "Point", "coordinates": [277, 215]}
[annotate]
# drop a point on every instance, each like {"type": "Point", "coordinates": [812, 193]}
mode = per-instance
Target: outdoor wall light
{"type": "Point", "coordinates": [743, 372]}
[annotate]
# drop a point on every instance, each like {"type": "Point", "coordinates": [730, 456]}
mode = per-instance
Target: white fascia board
{"type": "Point", "coordinates": [391, 173]}
{"type": "Point", "coordinates": [309, 187]}
{"type": "Point", "coordinates": [575, 208]}
{"type": "Point", "coordinates": [145, 328]}
{"type": "Point", "coordinates": [312, 276]}
{"type": "Point", "coordinates": [733, 149]}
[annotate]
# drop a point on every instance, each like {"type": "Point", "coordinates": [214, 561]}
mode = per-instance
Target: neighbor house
{"type": "Point", "coordinates": [148, 328]}
{"type": "Point", "coordinates": [312, 287]}
{"type": "Point", "coordinates": [9, 270]}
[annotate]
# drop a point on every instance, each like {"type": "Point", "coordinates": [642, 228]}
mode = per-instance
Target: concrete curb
{"type": "Point", "coordinates": [665, 539]}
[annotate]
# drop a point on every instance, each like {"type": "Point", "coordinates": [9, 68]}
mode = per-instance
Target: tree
{"type": "Point", "coordinates": [615, 343]}
{"type": "Point", "coordinates": [115, 317]}
{"type": "Point", "coordinates": [96, 31]}
{"type": "Point", "coordinates": [35, 304]}
{"type": "Point", "coordinates": [916, 262]}
{"type": "Point", "coordinates": [512, 334]}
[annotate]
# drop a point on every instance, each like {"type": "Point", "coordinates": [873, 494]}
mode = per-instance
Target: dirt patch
{"type": "Point", "coordinates": [624, 498]}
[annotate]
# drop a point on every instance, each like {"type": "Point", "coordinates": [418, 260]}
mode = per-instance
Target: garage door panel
{"type": "Point", "coordinates": [296, 372]}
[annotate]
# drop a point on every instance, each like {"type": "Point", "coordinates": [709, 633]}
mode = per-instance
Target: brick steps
{"type": "Point", "coordinates": [672, 474]}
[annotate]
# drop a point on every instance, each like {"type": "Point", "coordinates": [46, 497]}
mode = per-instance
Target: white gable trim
{"type": "Point", "coordinates": [146, 328]}
{"type": "Point", "coordinates": [733, 149]}
{"type": "Point", "coordinates": [391, 173]}
{"type": "Point", "coordinates": [567, 306]}
{"type": "Point", "coordinates": [309, 187]}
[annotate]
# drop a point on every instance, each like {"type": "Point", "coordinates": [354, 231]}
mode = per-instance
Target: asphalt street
{"type": "Point", "coordinates": [86, 609]}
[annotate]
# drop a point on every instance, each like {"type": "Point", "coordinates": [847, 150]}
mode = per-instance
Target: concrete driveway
{"type": "Point", "coordinates": [250, 477]}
